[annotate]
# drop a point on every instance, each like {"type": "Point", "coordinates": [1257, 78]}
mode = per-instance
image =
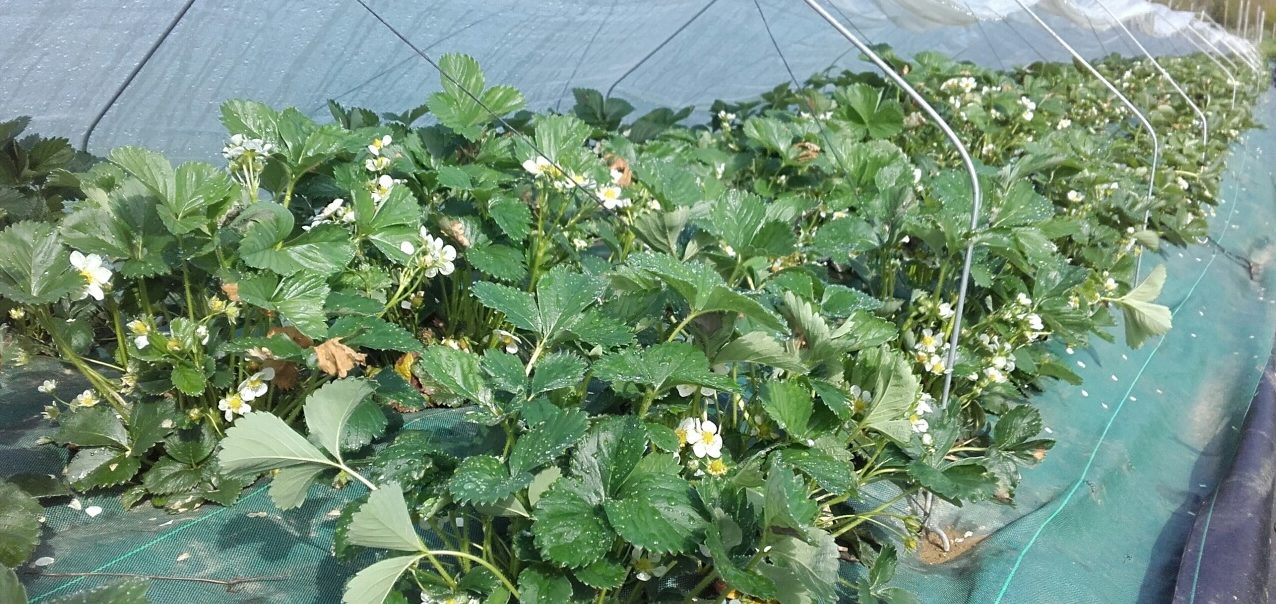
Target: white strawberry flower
{"type": "Point", "coordinates": [688, 431]}
{"type": "Point", "coordinates": [141, 331]}
{"type": "Point", "coordinates": [945, 310]}
{"type": "Point", "coordinates": [381, 187]}
{"type": "Point", "coordinates": [378, 144]}
{"type": "Point", "coordinates": [256, 385]}
{"type": "Point", "coordinates": [647, 567]}
{"type": "Point", "coordinates": [438, 257]}
{"type": "Point", "coordinates": [613, 198]}
{"type": "Point", "coordinates": [538, 166]}
{"type": "Point", "coordinates": [47, 386]}
{"type": "Point", "coordinates": [96, 275]}
{"type": "Point", "coordinates": [709, 443]}
{"type": "Point", "coordinates": [233, 404]}
{"type": "Point", "coordinates": [88, 398]}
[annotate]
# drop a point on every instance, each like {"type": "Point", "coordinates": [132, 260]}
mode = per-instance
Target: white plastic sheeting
{"type": "Point", "coordinates": [66, 59]}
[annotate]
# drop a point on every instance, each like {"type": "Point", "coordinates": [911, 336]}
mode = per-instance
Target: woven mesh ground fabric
{"type": "Point", "coordinates": [1148, 435]}
{"type": "Point", "coordinates": [1141, 443]}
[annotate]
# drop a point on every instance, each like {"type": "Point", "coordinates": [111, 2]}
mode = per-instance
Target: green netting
{"type": "Point", "coordinates": [1147, 436]}
{"type": "Point", "coordinates": [1102, 520]}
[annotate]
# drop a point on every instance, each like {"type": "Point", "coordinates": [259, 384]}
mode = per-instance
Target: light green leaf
{"type": "Point", "coordinates": [512, 215]}
{"type": "Point", "coordinates": [289, 486]}
{"type": "Point", "coordinates": [606, 457]}
{"type": "Point", "coordinates": [833, 474]}
{"type": "Point", "coordinates": [260, 441]}
{"type": "Point", "coordinates": [152, 169]}
{"type": "Point", "coordinates": [384, 522]}
{"type": "Point", "coordinates": [500, 261]}
{"type": "Point", "coordinates": [760, 347]}
{"type": "Point", "coordinates": [803, 569]}
{"type": "Point", "coordinates": [895, 391]}
{"type": "Point", "coordinates": [325, 249]}
{"type": "Point", "coordinates": [1144, 318]}
{"type": "Point", "coordinates": [787, 503]}
{"type": "Point", "coordinates": [329, 408]}
{"type": "Point", "coordinates": [464, 105]}
{"type": "Point", "coordinates": [373, 584]}
{"type": "Point", "coordinates": [36, 268]}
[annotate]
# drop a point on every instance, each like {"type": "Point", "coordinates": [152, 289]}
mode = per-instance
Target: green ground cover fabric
{"type": "Point", "coordinates": [1148, 435]}
{"type": "Point", "coordinates": [1103, 519]}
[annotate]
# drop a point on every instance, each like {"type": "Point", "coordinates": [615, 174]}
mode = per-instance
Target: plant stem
{"type": "Point", "coordinates": [484, 563]}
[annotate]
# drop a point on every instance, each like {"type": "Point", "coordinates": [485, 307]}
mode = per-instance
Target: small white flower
{"type": "Point", "coordinates": [378, 144]}
{"type": "Point", "coordinates": [1064, 124]}
{"type": "Point", "coordinates": [613, 198]}
{"type": "Point", "coordinates": [579, 243]}
{"type": "Point", "coordinates": [201, 332]}
{"type": "Point", "coordinates": [47, 386]}
{"type": "Point", "coordinates": [1023, 299]}
{"type": "Point", "coordinates": [928, 342]}
{"type": "Point", "coordinates": [407, 248]}
{"type": "Point", "coordinates": [945, 310]}
{"type": "Point", "coordinates": [255, 386]}
{"type": "Point", "coordinates": [709, 443]}
{"type": "Point", "coordinates": [935, 364]}
{"type": "Point", "coordinates": [1034, 322]}
{"type": "Point", "coordinates": [860, 399]}
{"type": "Point", "coordinates": [1110, 284]}
{"type": "Point", "coordinates": [381, 187]}
{"type": "Point", "coordinates": [95, 274]}
{"type": "Point", "coordinates": [506, 340]}
{"type": "Point", "coordinates": [376, 164]}
{"type": "Point", "coordinates": [994, 375]}
{"type": "Point", "coordinates": [233, 404]}
{"type": "Point", "coordinates": [86, 399]}
{"type": "Point", "coordinates": [647, 567]}
{"type": "Point", "coordinates": [17, 313]}
{"type": "Point", "coordinates": [538, 166]}
{"type": "Point", "coordinates": [438, 257]}
{"type": "Point", "coordinates": [1076, 196]}
{"type": "Point", "coordinates": [688, 431]}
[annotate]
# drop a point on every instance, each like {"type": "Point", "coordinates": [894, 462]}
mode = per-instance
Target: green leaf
{"type": "Point", "coordinates": [189, 379]}
{"type": "Point", "coordinates": [870, 111]}
{"type": "Point", "coordinates": [152, 169]}
{"type": "Point", "coordinates": [789, 403]}
{"type": "Point", "coordinates": [598, 329]}
{"type": "Point", "coordinates": [602, 574]}
{"type": "Point", "coordinates": [367, 423]}
{"type": "Point", "coordinates": [500, 261]}
{"type": "Point", "coordinates": [1144, 318]}
{"type": "Point", "coordinates": [464, 105]}
{"type": "Point", "coordinates": [383, 521]}
{"type": "Point", "coordinates": [11, 589]}
{"type": "Point", "coordinates": [506, 371]}
{"type": "Point", "coordinates": [548, 439]}
{"type": "Point", "coordinates": [740, 219]}
{"type": "Point", "coordinates": [190, 446]}
{"type": "Point", "coordinates": [608, 454]}
{"type": "Point", "coordinates": [805, 569]}
{"type": "Point", "coordinates": [169, 476]}
{"type": "Point", "coordinates": [457, 371]}
{"type": "Point", "coordinates": [100, 467]}
{"type": "Point", "coordinates": [374, 333]}
{"type": "Point", "coordinates": [895, 391]}
{"type": "Point", "coordinates": [735, 575]}
{"type": "Point", "coordinates": [130, 591]}
{"type": "Point", "coordinates": [299, 299]}
{"type": "Point", "coordinates": [841, 238]}
{"type": "Point", "coordinates": [597, 112]}
{"type": "Point", "coordinates": [654, 508]}
{"type": "Point", "coordinates": [662, 366]}
{"type": "Point", "coordinates": [557, 370]}
{"type": "Point", "coordinates": [325, 249]}
{"type": "Point", "coordinates": [483, 479]}
{"type": "Point", "coordinates": [761, 348]}
{"type": "Point", "coordinates": [96, 426]}
{"type": "Point", "coordinates": [373, 584]}
{"type": "Point", "coordinates": [512, 216]}
{"type": "Point", "coordinates": [36, 270]}
{"type": "Point", "coordinates": [543, 587]}
{"type": "Point", "coordinates": [787, 504]}
{"type": "Point", "coordinates": [703, 288]}
{"type": "Point", "coordinates": [19, 524]}
{"type": "Point", "coordinates": [958, 483]}
{"type": "Point", "coordinates": [568, 529]}
{"type": "Point", "coordinates": [834, 474]}
{"type": "Point", "coordinates": [251, 118]}
{"type": "Point", "coordinates": [770, 133]}
{"type": "Point", "coordinates": [329, 409]}
{"type": "Point", "coordinates": [149, 423]}
{"type": "Point", "coordinates": [518, 306]}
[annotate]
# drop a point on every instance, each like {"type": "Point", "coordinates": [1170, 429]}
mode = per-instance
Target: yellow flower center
{"type": "Point", "coordinates": [682, 436]}
{"type": "Point", "coordinates": [716, 467]}
{"type": "Point", "coordinates": [234, 403]}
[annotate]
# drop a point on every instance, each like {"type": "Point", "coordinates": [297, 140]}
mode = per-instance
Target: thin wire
{"type": "Point", "coordinates": [583, 54]}
{"type": "Point", "coordinates": [84, 143]}
{"type": "Point", "coordinates": [655, 50]}
{"type": "Point", "coordinates": [526, 139]}
{"type": "Point", "coordinates": [976, 192]}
